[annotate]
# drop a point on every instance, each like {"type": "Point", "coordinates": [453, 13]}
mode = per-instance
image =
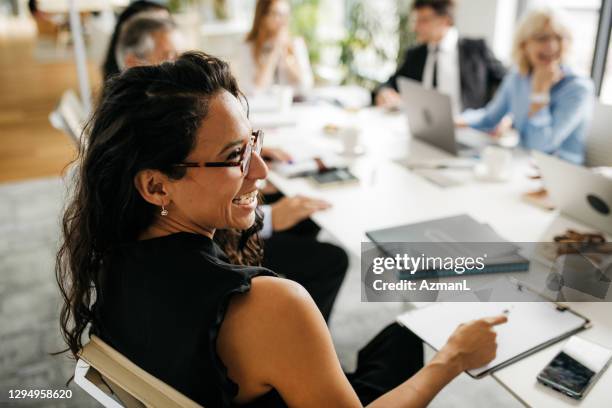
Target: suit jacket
{"type": "Point", "coordinates": [480, 72]}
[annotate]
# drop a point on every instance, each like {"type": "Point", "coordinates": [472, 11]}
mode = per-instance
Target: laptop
{"type": "Point", "coordinates": [430, 119]}
{"type": "Point", "coordinates": [577, 191]}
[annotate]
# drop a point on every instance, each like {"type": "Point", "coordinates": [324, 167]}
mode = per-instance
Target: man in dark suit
{"type": "Point", "coordinates": [465, 69]}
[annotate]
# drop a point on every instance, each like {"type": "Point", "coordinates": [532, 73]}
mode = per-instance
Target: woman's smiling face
{"type": "Point", "coordinates": [544, 47]}
{"type": "Point", "coordinates": [278, 16]}
{"type": "Point", "coordinates": [219, 197]}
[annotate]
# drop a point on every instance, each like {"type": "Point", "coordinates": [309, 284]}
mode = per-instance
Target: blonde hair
{"type": "Point", "coordinates": [533, 23]}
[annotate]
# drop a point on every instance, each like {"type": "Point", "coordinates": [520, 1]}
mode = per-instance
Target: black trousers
{"type": "Point", "coordinates": [389, 359]}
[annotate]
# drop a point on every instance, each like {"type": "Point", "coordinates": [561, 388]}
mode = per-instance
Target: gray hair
{"type": "Point", "coordinates": [136, 36]}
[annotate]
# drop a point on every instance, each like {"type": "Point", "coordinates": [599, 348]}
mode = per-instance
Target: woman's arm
{"type": "Point", "coordinates": [472, 345]}
{"type": "Point", "coordinates": [547, 128]}
{"type": "Point", "coordinates": [275, 337]}
{"type": "Point", "coordinates": [487, 118]}
{"type": "Point", "coordinates": [265, 67]}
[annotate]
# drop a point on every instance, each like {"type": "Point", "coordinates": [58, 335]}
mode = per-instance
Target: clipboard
{"type": "Point", "coordinates": [534, 323]}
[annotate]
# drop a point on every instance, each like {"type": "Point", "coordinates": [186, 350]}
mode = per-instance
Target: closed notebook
{"type": "Point", "coordinates": [456, 236]}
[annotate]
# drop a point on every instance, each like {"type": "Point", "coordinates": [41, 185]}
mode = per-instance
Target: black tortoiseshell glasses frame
{"type": "Point", "coordinates": [254, 146]}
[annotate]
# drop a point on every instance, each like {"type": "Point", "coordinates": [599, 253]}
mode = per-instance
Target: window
{"type": "Point", "coordinates": [606, 86]}
{"type": "Point", "coordinates": [583, 18]}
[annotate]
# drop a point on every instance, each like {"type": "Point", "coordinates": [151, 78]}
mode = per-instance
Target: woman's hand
{"type": "Point", "coordinates": [460, 122]}
{"type": "Point", "coordinates": [502, 127]}
{"type": "Point", "coordinates": [545, 77]}
{"type": "Point", "coordinates": [472, 344]}
{"type": "Point", "coordinates": [388, 98]}
{"type": "Point", "coordinates": [282, 42]}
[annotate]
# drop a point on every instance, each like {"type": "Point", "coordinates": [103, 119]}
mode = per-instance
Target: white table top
{"type": "Point", "coordinates": [389, 195]}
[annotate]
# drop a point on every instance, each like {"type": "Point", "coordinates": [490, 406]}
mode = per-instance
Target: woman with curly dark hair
{"type": "Point", "coordinates": [171, 159]}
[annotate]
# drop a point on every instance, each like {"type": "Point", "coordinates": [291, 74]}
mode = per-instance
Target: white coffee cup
{"type": "Point", "coordinates": [350, 136]}
{"type": "Point", "coordinates": [497, 163]}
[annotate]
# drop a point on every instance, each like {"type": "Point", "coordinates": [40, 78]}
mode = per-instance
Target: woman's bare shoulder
{"type": "Point", "coordinates": [261, 329]}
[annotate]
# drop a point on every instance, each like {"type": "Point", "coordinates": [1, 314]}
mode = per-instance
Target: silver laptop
{"type": "Point", "coordinates": [430, 119]}
{"type": "Point", "coordinates": [577, 191]}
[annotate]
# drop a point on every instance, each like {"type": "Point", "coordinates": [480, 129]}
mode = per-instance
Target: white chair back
{"type": "Point", "coordinates": [70, 116]}
{"type": "Point", "coordinates": [599, 139]}
{"type": "Point", "coordinates": [116, 382]}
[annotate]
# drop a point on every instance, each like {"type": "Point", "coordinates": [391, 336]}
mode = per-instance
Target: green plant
{"type": "Point", "coordinates": [362, 28]}
{"type": "Point", "coordinates": [407, 38]}
{"type": "Point", "coordinates": [221, 10]}
{"type": "Point", "coordinates": [177, 6]}
{"type": "Point", "coordinates": [305, 16]}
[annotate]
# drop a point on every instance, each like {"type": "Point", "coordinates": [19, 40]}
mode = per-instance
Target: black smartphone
{"type": "Point", "coordinates": [334, 177]}
{"type": "Point", "coordinates": [566, 374]}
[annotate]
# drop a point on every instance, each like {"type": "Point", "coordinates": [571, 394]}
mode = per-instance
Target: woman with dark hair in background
{"type": "Point", "coordinates": [172, 158]}
{"type": "Point", "coordinates": [110, 66]}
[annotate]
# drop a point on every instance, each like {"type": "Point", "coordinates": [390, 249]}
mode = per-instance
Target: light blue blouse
{"type": "Point", "coordinates": [559, 128]}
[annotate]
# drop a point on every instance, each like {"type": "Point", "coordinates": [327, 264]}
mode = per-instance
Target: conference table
{"type": "Point", "coordinates": [388, 194]}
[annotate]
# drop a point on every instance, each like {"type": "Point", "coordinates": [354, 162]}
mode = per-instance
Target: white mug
{"type": "Point", "coordinates": [497, 162]}
{"type": "Point", "coordinates": [350, 136]}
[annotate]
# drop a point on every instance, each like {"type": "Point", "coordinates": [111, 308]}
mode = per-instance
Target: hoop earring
{"type": "Point", "coordinates": [163, 212]}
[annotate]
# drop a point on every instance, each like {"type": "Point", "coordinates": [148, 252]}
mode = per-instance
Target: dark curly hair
{"type": "Point", "coordinates": [148, 119]}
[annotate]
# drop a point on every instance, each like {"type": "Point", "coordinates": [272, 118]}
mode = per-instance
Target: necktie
{"type": "Point", "coordinates": [435, 68]}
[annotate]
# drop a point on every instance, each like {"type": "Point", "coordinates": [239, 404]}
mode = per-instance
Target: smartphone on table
{"type": "Point", "coordinates": [576, 368]}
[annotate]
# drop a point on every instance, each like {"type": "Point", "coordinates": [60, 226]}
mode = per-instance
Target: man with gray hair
{"type": "Point", "coordinates": [146, 40]}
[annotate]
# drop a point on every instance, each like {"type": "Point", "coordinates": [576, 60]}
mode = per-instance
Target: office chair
{"type": "Point", "coordinates": [116, 382]}
{"type": "Point", "coordinates": [69, 116]}
{"type": "Point", "coordinates": [599, 138]}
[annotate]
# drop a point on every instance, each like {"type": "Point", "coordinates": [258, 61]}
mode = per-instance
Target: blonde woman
{"type": "Point", "coordinates": [549, 104]}
{"type": "Point", "coordinates": [270, 56]}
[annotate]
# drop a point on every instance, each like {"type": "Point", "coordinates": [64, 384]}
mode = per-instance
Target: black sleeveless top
{"type": "Point", "coordinates": [161, 303]}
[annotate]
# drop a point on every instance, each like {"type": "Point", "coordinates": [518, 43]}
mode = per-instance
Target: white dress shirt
{"type": "Point", "coordinates": [266, 230]}
{"type": "Point", "coordinates": [448, 77]}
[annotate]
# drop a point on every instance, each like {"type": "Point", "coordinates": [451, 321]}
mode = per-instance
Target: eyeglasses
{"type": "Point", "coordinates": [254, 146]}
{"type": "Point", "coordinates": [544, 38]}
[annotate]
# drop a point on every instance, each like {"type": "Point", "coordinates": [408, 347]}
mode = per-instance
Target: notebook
{"type": "Point", "coordinates": [533, 324]}
{"type": "Point", "coordinates": [456, 236]}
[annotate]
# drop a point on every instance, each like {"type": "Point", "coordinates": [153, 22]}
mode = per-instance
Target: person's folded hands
{"type": "Point", "coordinates": [388, 98]}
